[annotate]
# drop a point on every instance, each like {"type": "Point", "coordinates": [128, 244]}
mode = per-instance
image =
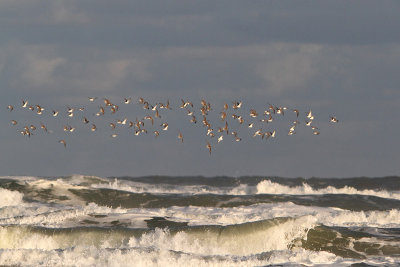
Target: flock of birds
{"type": "Point", "coordinates": [253, 120]}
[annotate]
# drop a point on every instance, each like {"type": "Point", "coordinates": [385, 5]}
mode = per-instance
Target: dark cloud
{"type": "Point", "coordinates": [123, 24]}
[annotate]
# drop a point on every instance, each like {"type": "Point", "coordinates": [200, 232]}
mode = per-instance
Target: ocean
{"type": "Point", "coordinates": [199, 221]}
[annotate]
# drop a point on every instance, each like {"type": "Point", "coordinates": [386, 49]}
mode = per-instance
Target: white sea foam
{"type": "Point", "coordinates": [93, 256]}
{"type": "Point", "coordinates": [69, 216]}
{"type": "Point", "coordinates": [382, 219]}
{"type": "Point", "coordinates": [137, 187]}
{"type": "Point", "coordinates": [37, 214]}
{"type": "Point", "coordinates": [154, 249]}
{"type": "Point", "coordinates": [263, 187]}
{"type": "Point", "coordinates": [268, 187]}
{"type": "Point", "coordinates": [10, 198]}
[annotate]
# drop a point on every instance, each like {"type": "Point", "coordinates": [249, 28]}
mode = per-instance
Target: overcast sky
{"type": "Point", "coordinates": [337, 58]}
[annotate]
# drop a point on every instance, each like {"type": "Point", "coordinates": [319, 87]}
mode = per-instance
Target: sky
{"type": "Point", "coordinates": [338, 58]}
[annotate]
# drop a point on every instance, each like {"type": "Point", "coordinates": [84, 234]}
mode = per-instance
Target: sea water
{"type": "Point", "coordinates": [199, 221]}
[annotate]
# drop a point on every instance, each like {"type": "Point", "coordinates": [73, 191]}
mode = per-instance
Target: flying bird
{"type": "Point", "coordinates": [24, 103]}
{"type": "Point", "coordinates": [63, 142]}
{"type": "Point", "coordinates": [209, 147]}
{"type": "Point", "coordinates": [180, 136]}
{"type": "Point", "coordinates": [334, 119]}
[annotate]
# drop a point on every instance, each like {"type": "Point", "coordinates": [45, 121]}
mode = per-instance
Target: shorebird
{"type": "Point", "coordinates": [310, 115]}
{"type": "Point", "coordinates": [13, 122]}
{"type": "Point", "coordinates": [148, 117]}
{"type": "Point", "coordinates": [146, 105]}
{"type": "Point", "coordinates": [185, 104]}
{"type": "Point", "coordinates": [205, 122]}
{"type": "Point", "coordinates": [10, 107]}
{"type": "Point", "coordinates": [101, 111]}
{"type": "Point", "coordinates": [258, 132]}
{"type": "Point", "coordinates": [114, 135]}
{"type": "Point", "coordinates": [223, 116]}
{"type": "Point", "coordinates": [122, 122]}
{"type": "Point", "coordinates": [220, 138]}
{"type": "Point", "coordinates": [272, 108]}
{"type": "Point", "coordinates": [253, 113]}
{"type": "Point", "coordinates": [316, 133]}
{"type": "Point", "coordinates": [85, 120]}
{"type": "Point", "coordinates": [189, 112]}
{"type": "Point", "coordinates": [91, 99]}
{"type": "Point", "coordinates": [127, 100]}
{"type": "Point", "coordinates": [281, 110]}
{"type": "Point", "coordinates": [251, 125]}
{"type": "Point", "coordinates": [165, 126]}
{"type": "Point", "coordinates": [153, 108]}
{"type": "Point", "coordinates": [107, 102]}
{"type": "Point", "coordinates": [180, 136]}
{"type": "Point", "coordinates": [112, 125]}
{"type": "Point", "coordinates": [24, 103]}
{"type": "Point", "coordinates": [204, 111]}
{"type": "Point", "coordinates": [167, 106]}
{"type": "Point", "coordinates": [193, 119]}
{"type": "Point", "coordinates": [138, 123]}
{"type": "Point", "coordinates": [26, 132]}
{"type": "Point", "coordinates": [270, 134]}
{"type": "Point", "coordinates": [43, 127]}
{"type": "Point", "coordinates": [70, 114]}
{"type": "Point", "coordinates": [296, 111]}
{"type": "Point", "coordinates": [226, 128]}
{"type": "Point", "coordinates": [55, 113]}
{"type": "Point", "coordinates": [94, 127]}
{"type": "Point", "coordinates": [208, 147]}
{"type": "Point", "coordinates": [63, 142]}
{"type": "Point", "coordinates": [226, 106]}
{"type": "Point", "coordinates": [157, 114]}
{"type": "Point", "coordinates": [156, 133]}
{"type": "Point", "coordinates": [333, 119]}
{"type": "Point", "coordinates": [237, 105]}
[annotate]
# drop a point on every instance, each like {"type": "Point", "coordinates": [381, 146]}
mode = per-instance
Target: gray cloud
{"type": "Point", "coordinates": [332, 57]}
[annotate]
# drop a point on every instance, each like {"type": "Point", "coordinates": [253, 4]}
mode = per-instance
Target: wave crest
{"type": "Point", "coordinates": [10, 198]}
{"type": "Point", "coordinates": [269, 187]}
